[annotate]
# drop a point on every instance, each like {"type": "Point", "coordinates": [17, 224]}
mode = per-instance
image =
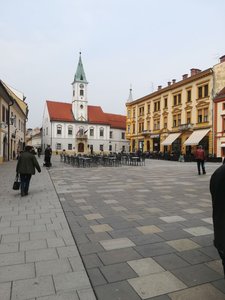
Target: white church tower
{"type": "Point", "coordinates": [79, 100]}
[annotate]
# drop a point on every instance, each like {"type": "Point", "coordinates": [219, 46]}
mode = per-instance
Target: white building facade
{"type": "Point", "coordinates": [79, 128]}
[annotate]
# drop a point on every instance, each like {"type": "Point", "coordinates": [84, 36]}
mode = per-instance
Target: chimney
{"type": "Point", "coordinates": [169, 83]}
{"type": "Point", "coordinates": [195, 71]}
{"type": "Point", "coordinates": [222, 59]}
{"type": "Point", "coordinates": [159, 87]}
{"type": "Point", "coordinates": [185, 76]}
{"type": "Point", "coordinates": [173, 81]}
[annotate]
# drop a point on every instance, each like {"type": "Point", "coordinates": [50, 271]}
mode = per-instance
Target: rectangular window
{"type": "Point", "coordinates": [157, 106]}
{"type": "Point", "coordinates": [179, 98]}
{"type": "Point", "coordinates": [59, 129]}
{"type": "Point", "coordinates": [200, 116]}
{"type": "Point", "coordinates": [70, 130]}
{"type": "Point", "coordinates": [123, 135]}
{"type": "Point", "coordinates": [148, 125]}
{"type": "Point", "coordinates": [189, 96]}
{"type": "Point", "coordinates": [133, 128]}
{"type": "Point", "coordinates": [206, 90]}
{"type": "Point", "coordinates": [199, 92]}
{"type": "Point", "coordinates": [128, 114]}
{"type": "Point", "coordinates": [223, 105]}
{"type": "Point", "coordinates": [128, 128]}
{"type": "Point", "coordinates": [101, 132]}
{"type": "Point", "coordinates": [70, 146]}
{"type": "Point", "coordinates": [148, 108]}
{"type": "Point", "coordinates": [101, 147]}
{"type": "Point", "coordinates": [141, 111]}
{"type": "Point", "coordinates": [91, 131]}
{"type": "Point", "coordinates": [110, 147]}
{"type": "Point", "coordinates": [58, 146]}
{"type": "Point", "coordinates": [165, 103]}
{"type": "Point", "coordinates": [174, 122]}
{"type": "Point", "coordinates": [179, 119]}
{"type": "Point", "coordinates": [205, 114]}
{"type": "Point", "coordinates": [223, 124]}
{"type": "Point", "coordinates": [165, 122]}
{"type": "Point", "coordinates": [110, 134]}
{"type": "Point", "coordinates": [188, 117]}
{"type": "Point", "coordinates": [133, 112]}
{"type": "Point", "coordinates": [47, 131]}
{"type": "Point", "coordinates": [7, 116]}
{"type": "Point", "coordinates": [3, 113]}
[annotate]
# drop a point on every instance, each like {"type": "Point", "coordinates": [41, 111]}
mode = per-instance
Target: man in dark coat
{"type": "Point", "coordinates": [217, 189]}
{"type": "Point", "coordinates": [48, 154]}
{"type": "Point", "coordinates": [26, 165]}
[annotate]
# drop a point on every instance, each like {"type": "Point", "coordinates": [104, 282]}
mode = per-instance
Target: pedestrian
{"type": "Point", "coordinates": [48, 154]}
{"type": "Point", "coordinates": [26, 165]}
{"type": "Point", "coordinates": [200, 158]}
{"type": "Point", "coordinates": [217, 190]}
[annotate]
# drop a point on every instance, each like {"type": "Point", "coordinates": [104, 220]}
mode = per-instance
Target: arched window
{"type": "Point", "coordinates": [70, 130]}
{"type": "Point", "coordinates": [101, 133]}
{"type": "Point", "coordinates": [59, 129]}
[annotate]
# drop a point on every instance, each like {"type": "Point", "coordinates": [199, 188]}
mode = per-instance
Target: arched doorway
{"type": "Point", "coordinates": [80, 147]}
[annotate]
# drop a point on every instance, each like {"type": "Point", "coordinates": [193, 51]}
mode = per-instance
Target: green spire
{"type": "Point", "coordinates": [80, 75]}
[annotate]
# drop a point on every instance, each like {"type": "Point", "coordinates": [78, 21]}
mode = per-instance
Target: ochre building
{"type": "Point", "coordinates": [178, 117]}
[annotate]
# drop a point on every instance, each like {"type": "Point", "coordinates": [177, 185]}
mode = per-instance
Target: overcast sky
{"type": "Point", "coordinates": [144, 43]}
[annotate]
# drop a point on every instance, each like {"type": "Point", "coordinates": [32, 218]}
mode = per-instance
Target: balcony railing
{"type": "Point", "coordinates": [81, 136]}
{"type": "Point", "coordinates": [185, 126]}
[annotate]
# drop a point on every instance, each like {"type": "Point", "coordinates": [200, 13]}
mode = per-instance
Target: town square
{"type": "Point", "coordinates": [112, 150]}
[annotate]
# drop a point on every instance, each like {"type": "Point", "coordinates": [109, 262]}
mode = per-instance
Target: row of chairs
{"type": "Point", "coordinates": [102, 160]}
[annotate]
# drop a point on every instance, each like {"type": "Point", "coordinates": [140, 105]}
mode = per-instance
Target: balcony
{"type": "Point", "coordinates": [184, 127]}
{"type": "Point", "coordinates": [146, 132]}
{"type": "Point", "coordinates": [81, 136]}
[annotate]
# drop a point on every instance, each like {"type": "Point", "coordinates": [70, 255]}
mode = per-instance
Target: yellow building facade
{"type": "Point", "coordinates": [13, 117]}
{"type": "Point", "coordinates": [176, 118]}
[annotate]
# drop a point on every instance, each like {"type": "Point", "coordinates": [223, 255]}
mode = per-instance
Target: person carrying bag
{"type": "Point", "coordinates": [26, 165]}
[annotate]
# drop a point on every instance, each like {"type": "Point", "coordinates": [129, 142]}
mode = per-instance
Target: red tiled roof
{"type": "Point", "coordinates": [60, 111]}
{"type": "Point", "coordinates": [220, 96]}
{"type": "Point", "coordinates": [116, 121]}
{"type": "Point", "coordinates": [96, 115]}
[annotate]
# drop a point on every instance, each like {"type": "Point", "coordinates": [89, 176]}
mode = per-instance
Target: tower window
{"type": "Point", "coordinates": [81, 92]}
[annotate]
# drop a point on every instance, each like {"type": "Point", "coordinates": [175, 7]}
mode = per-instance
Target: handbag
{"type": "Point", "coordinates": [16, 184]}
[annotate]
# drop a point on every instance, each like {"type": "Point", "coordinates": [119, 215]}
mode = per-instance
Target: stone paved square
{"type": "Point", "coordinates": [160, 227]}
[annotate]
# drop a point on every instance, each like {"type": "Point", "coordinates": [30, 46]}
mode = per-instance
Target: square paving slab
{"type": "Point", "coordinates": [145, 266]}
{"type": "Point", "coordinates": [116, 243]}
{"type": "Point", "coordinates": [198, 231]}
{"type": "Point", "coordinates": [156, 284]}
